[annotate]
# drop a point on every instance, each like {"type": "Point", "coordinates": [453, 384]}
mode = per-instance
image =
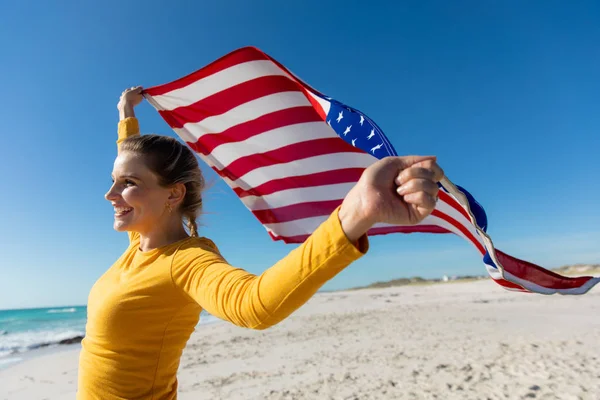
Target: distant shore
{"type": "Point", "coordinates": [567, 270]}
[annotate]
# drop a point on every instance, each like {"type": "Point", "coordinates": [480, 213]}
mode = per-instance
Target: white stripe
{"type": "Point", "coordinates": [324, 103]}
{"type": "Point", "coordinates": [311, 165]}
{"type": "Point", "coordinates": [511, 289]}
{"type": "Point", "coordinates": [270, 140]}
{"type": "Point", "coordinates": [544, 290]}
{"type": "Point", "coordinates": [302, 226]}
{"type": "Point", "coordinates": [248, 111]}
{"type": "Point", "coordinates": [217, 82]}
{"type": "Point", "coordinates": [322, 193]}
{"type": "Point", "coordinates": [478, 233]}
{"type": "Point", "coordinates": [500, 271]}
{"type": "Point", "coordinates": [306, 226]}
{"type": "Point", "coordinates": [493, 272]}
{"type": "Point", "coordinates": [530, 286]}
{"type": "Point", "coordinates": [338, 192]}
{"type": "Point", "coordinates": [298, 195]}
{"type": "Point", "coordinates": [433, 220]}
{"type": "Point", "coordinates": [460, 218]}
{"type": "Point", "coordinates": [334, 192]}
{"type": "Point", "coordinates": [429, 220]}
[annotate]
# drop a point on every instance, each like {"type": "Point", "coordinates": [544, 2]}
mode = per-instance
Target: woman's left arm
{"type": "Point", "coordinates": [396, 190]}
{"type": "Point", "coordinates": [258, 302]}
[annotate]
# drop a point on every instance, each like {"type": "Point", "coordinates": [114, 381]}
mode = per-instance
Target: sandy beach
{"type": "Point", "coordinates": [442, 341]}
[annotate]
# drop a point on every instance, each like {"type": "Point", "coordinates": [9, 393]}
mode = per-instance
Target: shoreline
{"type": "Point", "coordinates": [63, 346]}
{"type": "Point", "coordinates": [37, 353]}
{"type": "Point", "coordinates": [468, 340]}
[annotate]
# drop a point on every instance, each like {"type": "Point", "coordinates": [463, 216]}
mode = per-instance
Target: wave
{"type": "Point", "coordinates": [55, 333]}
{"type": "Point", "coordinates": [62, 310]}
{"type": "Point", "coordinates": [20, 342]}
{"type": "Point", "coordinates": [4, 353]}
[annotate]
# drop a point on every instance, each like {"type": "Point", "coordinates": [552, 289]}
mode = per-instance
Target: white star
{"type": "Point", "coordinates": [376, 148]}
{"type": "Point", "coordinates": [353, 140]}
{"type": "Point", "coordinates": [340, 116]}
{"type": "Point", "coordinates": [372, 134]}
{"type": "Point", "coordinates": [347, 130]}
{"type": "Point", "coordinates": [362, 119]}
{"type": "Point", "coordinates": [329, 122]}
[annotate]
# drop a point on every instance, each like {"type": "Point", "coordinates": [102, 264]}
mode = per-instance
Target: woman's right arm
{"type": "Point", "coordinates": [128, 123]}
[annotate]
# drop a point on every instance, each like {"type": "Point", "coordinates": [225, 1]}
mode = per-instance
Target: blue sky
{"type": "Point", "coordinates": [504, 93]}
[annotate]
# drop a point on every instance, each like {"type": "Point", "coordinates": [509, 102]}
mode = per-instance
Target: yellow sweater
{"type": "Point", "coordinates": [142, 311]}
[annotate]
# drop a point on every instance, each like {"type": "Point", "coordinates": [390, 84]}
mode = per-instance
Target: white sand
{"type": "Point", "coordinates": [445, 341]}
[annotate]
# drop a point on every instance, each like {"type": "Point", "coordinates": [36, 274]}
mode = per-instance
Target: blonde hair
{"type": "Point", "coordinates": [173, 163]}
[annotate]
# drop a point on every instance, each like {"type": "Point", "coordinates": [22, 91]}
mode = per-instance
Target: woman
{"type": "Point", "coordinates": [142, 311]}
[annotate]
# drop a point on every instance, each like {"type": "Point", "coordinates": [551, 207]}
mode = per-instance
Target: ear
{"type": "Point", "coordinates": [176, 195]}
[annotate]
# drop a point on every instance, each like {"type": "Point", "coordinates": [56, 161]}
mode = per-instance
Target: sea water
{"type": "Point", "coordinates": [25, 330]}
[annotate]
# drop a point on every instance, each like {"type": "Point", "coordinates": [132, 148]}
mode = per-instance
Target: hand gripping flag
{"type": "Point", "coordinates": [291, 154]}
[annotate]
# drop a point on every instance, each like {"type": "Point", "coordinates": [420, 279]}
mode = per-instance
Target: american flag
{"type": "Point", "coordinates": [291, 154]}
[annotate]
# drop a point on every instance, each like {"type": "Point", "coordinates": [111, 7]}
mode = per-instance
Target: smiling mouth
{"type": "Point", "coordinates": [121, 211]}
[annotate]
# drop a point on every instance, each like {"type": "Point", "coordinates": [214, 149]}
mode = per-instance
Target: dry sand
{"type": "Point", "coordinates": [444, 341]}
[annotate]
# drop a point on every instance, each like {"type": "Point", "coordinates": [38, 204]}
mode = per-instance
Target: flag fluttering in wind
{"type": "Point", "coordinates": [291, 154]}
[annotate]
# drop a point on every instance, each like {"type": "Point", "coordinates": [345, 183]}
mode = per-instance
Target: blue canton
{"type": "Point", "coordinates": [358, 130]}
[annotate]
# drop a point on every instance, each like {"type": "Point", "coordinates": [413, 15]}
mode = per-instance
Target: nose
{"type": "Point", "coordinates": [111, 194]}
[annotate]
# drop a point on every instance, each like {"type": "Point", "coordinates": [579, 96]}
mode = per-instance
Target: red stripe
{"type": "Point", "coordinates": [238, 56]}
{"type": "Point", "coordinates": [290, 116]}
{"type": "Point", "coordinates": [451, 201]}
{"type": "Point", "coordinates": [293, 212]}
{"type": "Point", "coordinates": [306, 87]}
{"type": "Point", "coordinates": [289, 239]}
{"type": "Point", "coordinates": [508, 284]}
{"type": "Point", "coordinates": [316, 105]}
{"type": "Point", "coordinates": [460, 227]}
{"type": "Point", "coordinates": [228, 99]}
{"type": "Point", "coordinates": [286, 154]}
{"type": "Point", "coordinates": [538, 275]}
{"type": "Point", "coordinates": [311, 180]}
{"type": "Point", "coordinates": [297, 211]}
{"type": "Point", "coordinates": [373, 231]}
{"type": "Point", "coordinates": [384, 230]}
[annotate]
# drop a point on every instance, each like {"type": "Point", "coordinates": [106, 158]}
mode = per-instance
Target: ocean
{"type": "Point", "coordinates": [27, 330]}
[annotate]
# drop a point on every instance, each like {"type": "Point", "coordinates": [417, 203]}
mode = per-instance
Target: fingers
{"type": "Point", "coordinates": [438, 172]}
{"type": "Point", "coordinates": [418, 185]}
{"type": "Point", "coordinates": [427, 169]}
{"type": "Point", "coordinates": [408, 161]}
{"type": "Point", "coordinates": [421, 194]}
{"type": "Point", "coordinates": [422, 201]}
{"type": "Point", "coordinates": [133, 89]}
{"type": "Point", "coordinates": [130, 97]}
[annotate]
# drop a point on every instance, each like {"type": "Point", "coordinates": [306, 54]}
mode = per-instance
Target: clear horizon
{"type": "Point", "coordinates": [505, 94]}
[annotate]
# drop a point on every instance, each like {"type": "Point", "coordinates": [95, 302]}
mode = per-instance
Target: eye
{"type": "Point", "coordinates": [129, 182]}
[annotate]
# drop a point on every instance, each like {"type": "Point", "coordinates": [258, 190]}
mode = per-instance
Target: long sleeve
{"type": "Point", "coordinates": [127, 127]}
{"type": "Point", "coordinates": [259, 302]}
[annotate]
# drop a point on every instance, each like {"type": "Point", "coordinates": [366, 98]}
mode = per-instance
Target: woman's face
{"type": "Point", "coordinates": [139, 201]}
